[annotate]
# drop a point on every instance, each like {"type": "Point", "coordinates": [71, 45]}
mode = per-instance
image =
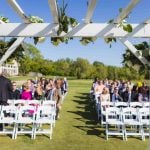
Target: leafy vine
{"type": "Point", "coordinates": [65, 22]}
{"type": "Point", "coordinates": [4, 19]}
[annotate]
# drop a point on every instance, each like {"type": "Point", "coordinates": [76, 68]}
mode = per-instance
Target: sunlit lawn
{"type": "Point", "coordinates": [77, 128]}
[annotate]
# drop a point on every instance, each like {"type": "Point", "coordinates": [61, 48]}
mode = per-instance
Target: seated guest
{"type": "Point", "coordinates": [30, 83]}
{"type": "Point", "coordinates": [49, 91]}
{"type": "Point", "coordinates": [26, 93]}
{"type": "Point", "coordinates": [142, 94]}
{"type": "Point", "coordinates": [15, 94]}
{"type": "Point", "coordinates": [127, 95]}
{"type": "Point", "coordinates": [116, 97]}
{"type": "Point", "coordinates": [134, 94]}
{"type": "Point", "coordinates": [38, 93]}
{"type": "Point", "coordinates": [105, 96]}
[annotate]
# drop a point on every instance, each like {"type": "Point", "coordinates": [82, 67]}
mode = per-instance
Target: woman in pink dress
{"type": "Point", "coordinates": [26, 93]}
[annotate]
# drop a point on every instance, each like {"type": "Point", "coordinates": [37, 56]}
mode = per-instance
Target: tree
{"type": "Point", "coordinates": [129, 60]}
{"type": "Point", "coordinates": [80, 68]}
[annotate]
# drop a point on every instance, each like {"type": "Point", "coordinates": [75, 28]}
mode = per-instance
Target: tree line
{"type": "Point", "coordinates": [30, 59]}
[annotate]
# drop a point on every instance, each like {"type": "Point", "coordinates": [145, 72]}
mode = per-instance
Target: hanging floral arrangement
{"type": "Point", "coordinates": [36, 19]}
{"type": "Point", "coordinates": [65, 22]}
{"type": "Point", "coordinates": [4, 19]}
{"type": "Point", "coordinates": [123, 24]}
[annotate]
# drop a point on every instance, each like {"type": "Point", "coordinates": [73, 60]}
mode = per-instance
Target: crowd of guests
{"type": "Point", "coordinates": [42, 89]}
{"type": "Point", "coordinates": [125, 91]}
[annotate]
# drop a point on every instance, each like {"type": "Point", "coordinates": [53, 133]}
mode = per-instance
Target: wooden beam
{"type": "Point", "coordinates": [132, 48]}
{"type": "Point", "coordinates": [126, 11]}
{"type": "Point", "coordinates": [53, 8]}
{"type": "Point", "coordinates": [11, 49]}
{"type": "Point", "coordinates": [90, 10]}
{"type": "Point", "coordinates": [85, 30]}
{"type": "Point", "coordinates": [18, 10]}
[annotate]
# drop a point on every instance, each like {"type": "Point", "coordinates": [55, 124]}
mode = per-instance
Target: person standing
{"type": "Point", "coordinates": [5, 89]}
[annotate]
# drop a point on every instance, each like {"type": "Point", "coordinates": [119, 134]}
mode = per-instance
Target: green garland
{"type": "Point", "coordinates": [4, 19]}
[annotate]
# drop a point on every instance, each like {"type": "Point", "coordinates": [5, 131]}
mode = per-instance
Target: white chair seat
{"type": "Point", "coordinates": [115, 122]}
{"type": "Point", "coordinates": [131, 122]}
{"type": "Point", "coordinates": [8, 120]}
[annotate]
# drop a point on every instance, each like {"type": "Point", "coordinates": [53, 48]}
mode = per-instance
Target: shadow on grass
{"type": "Point", "coordinates": [85, 109]}
{"type": "Point", "coordinates": [91, 130]}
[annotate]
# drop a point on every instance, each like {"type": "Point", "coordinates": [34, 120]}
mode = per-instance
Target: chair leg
{"type": "Point", "coordinates": [33, 130]}
{"type": "Point", "coordinates": [142, 133]}
{"type": "Point", "coordinates": [107, 132]}
{"type": "Point", "coordinates": [125, 132]}
{"type": "Point", "coordinates": [16, 131]}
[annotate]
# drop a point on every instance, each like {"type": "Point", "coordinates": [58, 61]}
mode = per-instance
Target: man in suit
{"type": "Point", "coordinates": [5, 90]}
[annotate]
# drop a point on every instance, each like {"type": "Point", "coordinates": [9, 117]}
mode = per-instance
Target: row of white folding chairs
{"type": "Point", "coordinates": [100, 107]}
{"type": "Point", "coordinates": [18, 117]}
{"type": "Point", "coordinates": [123, 118]}
{"type": "Point", "coordinates": [29, 102]}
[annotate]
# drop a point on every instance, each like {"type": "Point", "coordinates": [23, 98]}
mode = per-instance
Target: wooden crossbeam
{"type": "Point", "coordinates": [94, 29]}
{"type": "Point", "coordinates": [133, 49]}
{"type": "Point", "coordinates": [124, 40]}
{"type": "Point", "coordinates": [18, 10]}
{"type": "Point", "coordinates": [54, 10]}
{"type": "Point", "coordinates": [126, 11]}
{"type": "Point", "coordinates": [11, 49]}
{"type": "Point", "coordinates": [90, 10]}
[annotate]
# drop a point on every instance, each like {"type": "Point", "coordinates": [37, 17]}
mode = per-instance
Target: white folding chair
{"type": "Point", "coordinates": [131, 119]}
{"type": "Point", "coordinates": [8, 116]}
{"type": "Point", "coordinates": [121, 104]}
{"type": "Point", "coordinates": [25, 120]}
{"type": "Point", "coordinates": [44, 116]}
{"type": "Point", "coordinates": [114, 118]}
{"type": "Point", "coordinates": [136, 104]}
{"type": "Point", "coordinates": [10, 102]}
{"type": "Point", "coordinates": [52, 108]}
{"type": "Point", "coordinates": [146, 104]}
{"type": "Point", "coordinates": [34, 102]}
{"type": "Point", "coordinates": [103, 106]}
{"type": "Point", "coordinates": [144, 114]}
{"type": "Point", "coordinates": [20, 102]}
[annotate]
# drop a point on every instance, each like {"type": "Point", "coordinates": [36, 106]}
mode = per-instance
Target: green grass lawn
{"type": "Point", "coordinates": [77, 128]}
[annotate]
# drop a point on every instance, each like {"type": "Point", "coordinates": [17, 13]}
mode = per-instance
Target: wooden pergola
{"type": "Point", "coordinates": [83, 29]}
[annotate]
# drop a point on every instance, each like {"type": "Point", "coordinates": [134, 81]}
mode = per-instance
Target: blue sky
{"type": "Point", "coordinates": [105, 10]}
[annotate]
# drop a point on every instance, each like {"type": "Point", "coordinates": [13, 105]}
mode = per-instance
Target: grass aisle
{"type": "Point", "coordinates": [77, 128]}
